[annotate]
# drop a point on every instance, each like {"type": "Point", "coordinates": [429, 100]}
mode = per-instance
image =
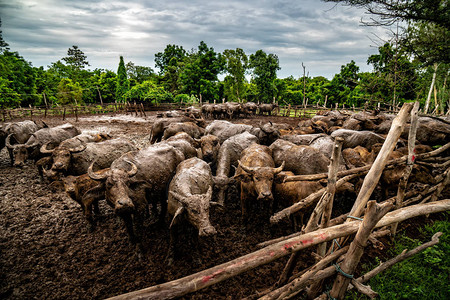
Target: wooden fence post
{"type": "Point", "coordinates": [64, 114]}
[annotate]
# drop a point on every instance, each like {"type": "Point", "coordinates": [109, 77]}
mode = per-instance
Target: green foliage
{"type": "Point", "coordinates": [107, 85]}
{"type": "Point", "coordinates": [8, 97]}
{"type": "Point", "coordinates": [265, 69]}
{"type": "Point", "coordinates": [236, 66]}
{"type": "Point", "coordinates": [122, 84]}
{"type": "Point", "coordinates": [139, 74]}
{"type": "Point", "coordinates": [69, 92]}
{"type": "Point", "coordinates": [199, 75]}
{"type": "Point", "coordinates": [423, 276]}
{"type": "Point", "coordinates": [3, 45]}
{"type": "Point", "coordinates": [148, 91]}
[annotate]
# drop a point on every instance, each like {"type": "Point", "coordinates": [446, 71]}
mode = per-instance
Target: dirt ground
{"type": "Point", "coordinates": [48, 252]}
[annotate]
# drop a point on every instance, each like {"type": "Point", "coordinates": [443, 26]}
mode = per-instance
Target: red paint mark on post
{"type": "Point", "coordinates": [209, 277]}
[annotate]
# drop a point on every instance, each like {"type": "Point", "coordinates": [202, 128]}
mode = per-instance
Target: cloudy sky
{"type": "Point", "coordinates": [321, 35]}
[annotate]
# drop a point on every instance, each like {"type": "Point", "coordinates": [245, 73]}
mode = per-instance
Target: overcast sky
{"type": "Point", "coordinates": [321, 35]}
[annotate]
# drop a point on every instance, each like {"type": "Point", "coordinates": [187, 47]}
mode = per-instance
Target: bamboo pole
{"type": "Point", "coordinates": [208, 277]}
{"type": "Point", "coordinates": [374, 212]}
{"type": "Point", "coordinates": [376, 170]}
{"type": "Point", "coordinates": [410, 162]}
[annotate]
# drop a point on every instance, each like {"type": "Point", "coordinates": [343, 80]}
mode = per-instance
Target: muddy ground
{"type": "Point", "coordinates": [47, 251]}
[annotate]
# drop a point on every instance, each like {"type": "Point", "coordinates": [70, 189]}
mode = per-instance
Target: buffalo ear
{"type": "Point", "coordinates": [279, 178]}
{"type": "Point", "coordinates": [176, 216]}
{"type": "Point", "coordinates": [242, 177]}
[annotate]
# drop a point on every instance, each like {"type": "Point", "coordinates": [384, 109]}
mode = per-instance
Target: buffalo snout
{"type": "Point", "coordinates": [207, 231]}
{"type": "Point", "coordinates": [267, 195]}
{"type": "Point", "coordinates": [124, 207]}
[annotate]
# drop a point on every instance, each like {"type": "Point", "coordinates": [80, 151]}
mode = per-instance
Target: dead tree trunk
{"type": "Point", "coordinates": [410, 162]}
{"type": "Point", "coordinates": [427, 103]}
{"type": "Point", "coordinates": [205, 278]}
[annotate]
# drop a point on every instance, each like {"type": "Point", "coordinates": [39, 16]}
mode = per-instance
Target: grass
{"type": "Point", "coordinates": [423, 276]}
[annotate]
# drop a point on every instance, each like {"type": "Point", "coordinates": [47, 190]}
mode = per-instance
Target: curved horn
{"type": "Point", "coordinates": [8, 142]}
{"type": "Point", "coordinates": [45, 150]}
{"type": "Point", "coordinates": [36, 143]}
{"type": "Point", "coordinates": [78, 149]}
{"type": "Point", "coordinates": [94, 175]}
{"type": "Point", "coordinates": [279, 169]}
{"type": "Point", "coordinates": [245, 168]}
{"type": "Point", "coordinates": [134, 168]}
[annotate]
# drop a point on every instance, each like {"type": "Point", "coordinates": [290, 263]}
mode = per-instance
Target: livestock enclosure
{"type": "Point", "coordinates": [48, 251]}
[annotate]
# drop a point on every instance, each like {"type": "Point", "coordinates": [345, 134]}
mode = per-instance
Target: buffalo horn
{"type": "Point", "coordinates": [245, 168]}
{"type": "Point", "coordinates": [45, 150]}
{"type": "Point", "coordinates": [176, 215]}
{"type": "Point", "coordinates": [279, 169]}
{"type": "Point", "coordinates": [8, 142]}
{"type": "Point", "coordinates": [134, 168]}
{"type": "Point", "coordinates": [95, 175]}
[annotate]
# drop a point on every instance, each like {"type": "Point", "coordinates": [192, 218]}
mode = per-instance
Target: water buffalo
{"type": "Point", "coordinates": [256, 172]}
{"type": "Point", "coordinates": [76, 161]}
{"type": "Point", "coordinates": [189, 199]}
{"type": "Point", "coordinates": [17, 133]}
{"type": "Point", "coordinates": [250, 108]}
{"type": "Point", "coordinates": [353, 138]}
{"type": "Point", "coordinates": [209, 146]}
{"type": "Point", "coordinates": [31, 149]}
{"type": "Point", "coordinates": [266, 133]}
{"type": "Point", "coordinates": [208, 110]}
{"type": "Point", "coordinates": [300, 159]}
{"type": "Point", "coordinates": [302, 139]}
{"type": "Point", "coordinates": [229, 154]}
{"type": "Point", "coordinates": [267, 108]}
{"type": "Point", "coordinates": [136, 179]}
{"type": "Point", "coordinates": [160, 125]}
{"type": "Point", "coordinates": [86, 192]}
{"type": "Point", "coordinates": [189, 127]}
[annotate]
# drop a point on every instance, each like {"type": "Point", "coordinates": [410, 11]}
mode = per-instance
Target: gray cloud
{"type": "Point", "coordinates": [321, 35]}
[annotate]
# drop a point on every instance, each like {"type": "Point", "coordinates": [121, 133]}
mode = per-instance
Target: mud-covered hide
{"type": "Point", "coordinates": [209, 146]}
{"type": "Point", "coordinates": [193, 112]}
{"type": "Point", "coordinates": [362, 121]}
{"type": "Point", "coordinates": [160, 125]}
{"type": "Point", "coordinates": [184, 136]}
{"type": "Point", "coordinates": [357, 157]}
{"type": "Point", "coordinates": [78, 162]}
{"type": "Point", "coordinates": [183, 146]}
{"type": "Point", "coordinates": [136, 179]}
{"type": "Point", "coordinates": [190, 128]}
{"type": "Point", "coordinates": [208, 110]}
{"type": "Point", "coordinates": [190, 194]}
{"type": "Point", "coordinates": [223, 130]}
{"type": "Point", "coordinates": [430, 131]}
{"type": "Point", "coordinates": [53, 136]}
{"type": "Point", "coordinates": [229, 153]}
{"type": "Point", "coordinates": [256, 172]}
{"type": "Point", "coordinates": [352, 124]}
{"type": "Point", "coordinates": [305, 127]}
{"type": "Point", "coordinates": [233, 109]}
{"type": "Point", "coordinates": [86, 192]}
{"type": "Point", "coordinates": [300, 159]}
{"type": "Point", "coordinates": [302, 139]}
{"type": "Point", "coordinates": [353, 138]}
{"type": "Point", "coordinates": [324, 144]}
{"type": "Point", "coordinates": [250, 108]}
{"type": "Point", "coordinates": [16, 133]}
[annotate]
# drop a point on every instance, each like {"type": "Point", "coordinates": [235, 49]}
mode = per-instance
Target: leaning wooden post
{"type": "Point", "coordinates": [410, 162]}
{"type": "Point", "coordinates": [372, 178]}
{"type": "Point", "coordinates": [374, 212]}
{"type": "Point", "coordinates": [328, 199]}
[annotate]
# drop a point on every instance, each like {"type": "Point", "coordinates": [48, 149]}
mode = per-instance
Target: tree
{"type": "Point", "coordinates": [163, 59]}
{"type": "Point", "coordinates": [3, 45]}
{"type": "Point", "coordinates": [122, 84]}
{"type": "Point", "coordinates": [199, 75]}
{"type": "Point", "coordinates": [148, 91]}
{"type": "Point", "coordinates": [69, 92]}
{"type": "Point", "coordinates": [236, 64]}
{"type": "Point", "coordinates": [76, 58]}
{"type": "Point", "coordinates": [264, 74]}
{"type": "Point", "coordinates": [139, 74]}
{"type": "Point", "coordinates": [387, 12]}
{"type": "Point", "coordinates": [8, 97]}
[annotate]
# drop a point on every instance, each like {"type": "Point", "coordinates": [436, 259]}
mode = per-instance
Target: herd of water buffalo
{"type": "Point", "coordinates": [190, 163]}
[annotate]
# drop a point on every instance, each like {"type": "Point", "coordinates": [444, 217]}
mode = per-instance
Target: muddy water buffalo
{"type": "Point", "coordinates": [189, 127]}
{"type": "Point", "coordinates": [267, 108]}
{"type": "Point", "coordinates": [208, 110]}
{"type": "Point", "coordinates": [302, 139]}
{"type": "Point", "coordinates": [18, 133]}
{"type": "Point", "coordinates": [76, 161]}
{"type": "Point", "coordinates": [189, 199]}
{"type": "Point", "coordinates": [31, 149]}
{"type": "Point", "coordinates": [136, 179]}
{"type": "Point", "coordinates": [160, 125]}
{"type": "Point", "coordinates": [86, 192]}
{"type": "Point", "coordinates": [250, 108]}
{"type": "Point", "coordinates": [266, 133]}
{"type": "Point", "coordinates": [300, 159]}
{"type": "Point", "coordinates": [182, 145]}
{"type": "Point", "coordinates": [209, 146]}
{"type": "Point", "coordinates": [353, 138]}
{"type": "Point", "coordinates": [229, 154]}
{"type": "Point", "coordinates": [256, 172]}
